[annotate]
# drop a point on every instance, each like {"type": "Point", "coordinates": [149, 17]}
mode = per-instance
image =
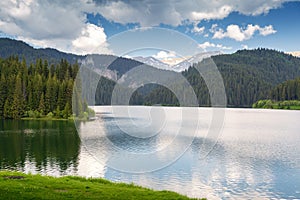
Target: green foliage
{"type": "Point", "coordinates": [50, 115]}
{"type": "Point", "coordinates": [248, 76]}
{"type": "Point", "coordinates": [288, 90]}
{"type": "Point", "coordinates": [33, 114]}
{"type": "Point", "coordinates": [91, 112]}
{"type": "Point", "coordinates": [269, 104]}
{"type": "Point", "coordinates": [284, 96]}
{"type": "Point", "coordinates": [42, 104]}
{"type": "Point", "coordinates": [35, 91]}
{"type": "Point", "coordinates": [67, 111]}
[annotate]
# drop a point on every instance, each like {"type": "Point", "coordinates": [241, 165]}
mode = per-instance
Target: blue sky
{"type": "Point", "coordinates": [96, 26]}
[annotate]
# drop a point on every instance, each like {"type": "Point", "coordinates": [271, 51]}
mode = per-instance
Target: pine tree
{"type": "Point", "coordinates": [57, 112]}
{"type": "Point", "coordinates": [37, 88]}
{"type": "Point", "coordinates": [3, 95]}
{"type": "Point", "coordinates": [18, 100]}
{"type": "Point", "coordinates": [42, 105]}
{"type": "Point", "coordinates": [7, 109]}
{"type": "Point", "coordinates": [67, 111]}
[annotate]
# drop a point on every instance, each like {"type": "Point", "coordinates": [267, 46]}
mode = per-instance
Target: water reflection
{"type": "Point", "coordinates": [256, 157]}
{"type": "Point", "coordinates": [39, 146]}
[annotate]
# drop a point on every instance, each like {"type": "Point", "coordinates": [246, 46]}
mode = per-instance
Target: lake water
{"type": "Point", "coordinates": [199, 152]}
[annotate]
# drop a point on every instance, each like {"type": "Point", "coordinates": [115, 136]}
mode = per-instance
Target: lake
{"type": "Point", "coordinates": [199, 152]}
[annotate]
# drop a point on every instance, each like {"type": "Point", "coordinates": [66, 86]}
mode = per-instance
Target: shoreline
{"type": "Point", "coordinates": [86, 120]}
{"type": "Point", "coordinates": [14, 185]}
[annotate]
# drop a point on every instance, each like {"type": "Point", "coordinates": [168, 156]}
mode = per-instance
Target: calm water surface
{"type": "Point", "coordinates": [257, 154]}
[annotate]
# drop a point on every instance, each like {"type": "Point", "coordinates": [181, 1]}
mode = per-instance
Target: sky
{"type": "Point", "coordinates": [170, 27]}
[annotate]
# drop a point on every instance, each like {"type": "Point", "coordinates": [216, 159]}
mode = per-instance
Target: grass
{"type": "Point", "coordinates": [16, 185]}
{"type": "Point", "coordinates": [45, 119]}
{"type": "Point", "coordinates": [284, 105]}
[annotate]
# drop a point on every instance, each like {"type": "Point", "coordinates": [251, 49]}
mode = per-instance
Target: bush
{"type": "Point", "coordinates": [50, 115]}
{"type": "Point", "coordinates": [32, 114]}
{"type": "Point", "coordinates": [91, 112]}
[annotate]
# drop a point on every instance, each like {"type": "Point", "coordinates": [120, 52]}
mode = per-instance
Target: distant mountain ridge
{"type": "Point", "coordinates": [185, 64]}
{"type": "Point", "coordinates": [108, 65]}
{"type": "Point", "coordinates": [179, 67]}
{"type": "Point", "coordinates": [152, 62]}
{"type": "Point", "coordinates": [248, 75]}
{"type": "Point", "coordinates": [9, 47]}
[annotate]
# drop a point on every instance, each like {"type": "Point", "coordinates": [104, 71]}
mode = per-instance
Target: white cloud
{"type": "Point", "coordinates": [41, 19]}
{"type": "Point", "coordinates": [215, 13]}
{"type": "Point", "coordinates": [146, 13]}
{"type": "Point", "coordinates": [55, 24]}
{"type": "Point", "coordinates": [174, 12]}
{"type": "Point", "coordinates": [267, 30]}
{"type": "Point", "coordinates": [237, 33]}
{"type": "Point", "coordinates": [198, 30]}
{"type": "Point", "coordinates": [213, 28]}
{"type": "Point", "coordinates": [62, 23]}
{"type": "Point", "coordinates": [161, 55]}
{"type": "Point", "coordinates": [244, 46]}
{"type": "Point", "coordinates": [207, 45]}
{"type": "Point", "coordinates": [92, 39]}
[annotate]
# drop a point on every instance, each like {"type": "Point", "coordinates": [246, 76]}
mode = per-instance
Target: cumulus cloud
{"type": "Point", "coordinates": [56, 24]}
{"type": "Point", "coordinates": [63, 24]}
{"type": "Point", "coordinates": [92, 39]}
{"type": "Point", "coordinates": [162, 55]}
{"type": "Point", "coordinates": [174, 12]}
{"type": "Point", "coordinates": [237, 33]}
{"type": "Point", "coordinates": [267, 30]}
{"type": "Point", "coordinates": [198, 30]}
{"type": "Point", "coordinates": [40, 19]}
{"type": "Point", "coordinates": [207, 45]}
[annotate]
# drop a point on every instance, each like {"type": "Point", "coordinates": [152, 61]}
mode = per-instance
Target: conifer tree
{"type": "Point", "coordinates": [17, 109]}
{"type": "Point", "coordinates": [42, 105]}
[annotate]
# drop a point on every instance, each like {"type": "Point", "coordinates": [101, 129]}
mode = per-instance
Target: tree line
{"type": "Point", "coordinates": [43, 89]}
{"type": "Point", "coordinates": [288, 90]}
{"type": "Point", "coordinates": [248, 75]}
{"type": "Point", "coordinates": [39, 89]}
{"type": "Point", "coordinates": [283, 96]}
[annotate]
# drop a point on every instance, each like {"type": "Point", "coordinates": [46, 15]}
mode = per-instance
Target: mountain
{"type": "Point", "coordinates": [270, 66]}
{"type": "Point", "coordinates": [9, 47]}
{"type": "Point", "coordinates": [109, 66]}
{"type": "Point", "coordinates": [283, 96]}
{"type": "Point", "coordinates": [152, 62]}
{"type": "Point", "coordinates": [184, 65]}
{"type": "Point", "coordinates": [288, 90]}
{"type": "Point", "coordinates": [249, 75]}
{"type": "Point", "coordinates": [181, 66]}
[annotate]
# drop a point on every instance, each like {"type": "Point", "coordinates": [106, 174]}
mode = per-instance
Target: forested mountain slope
{"type": "Point", "coordinates": [10, 47]}
{"type": "Point", "coordinates": [288, 90]}
{"type": "Point", "coordinates": [249, 75]}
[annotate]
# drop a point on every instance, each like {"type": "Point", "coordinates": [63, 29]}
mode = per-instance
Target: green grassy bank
{"type": "Point", "coordinates": [16, 185]}
{"type": "Point", "coordinates": [269, 104]}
